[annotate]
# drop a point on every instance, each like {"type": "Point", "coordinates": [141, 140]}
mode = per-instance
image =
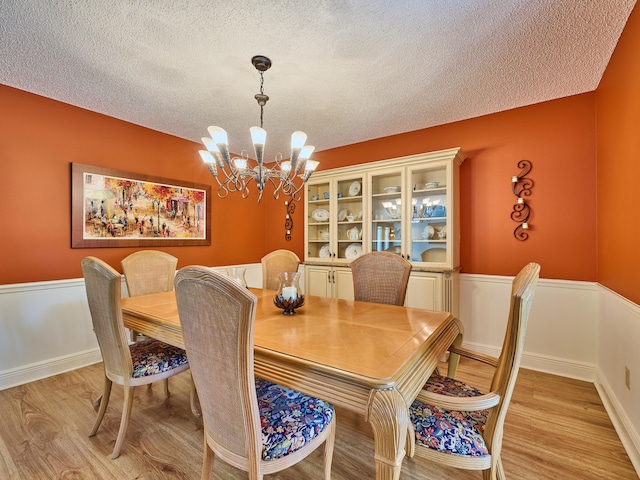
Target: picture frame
{"type": "Point", "coordinates": [115, 208]}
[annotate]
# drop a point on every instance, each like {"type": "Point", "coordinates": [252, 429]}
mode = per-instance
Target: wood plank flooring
{"type": "Point", "coordinates": [556, 428]}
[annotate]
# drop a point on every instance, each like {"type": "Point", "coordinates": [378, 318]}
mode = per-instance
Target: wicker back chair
{"type": "Point", "coordinates": [277, 262]}
{"type": "Point", "coordinates": [454, 423]}
{"type": "Point", "coordinates": [127, 365]}
{"type": "Point", "coordinates": [252, 424]}
{"type": "Point", "coordinates": [149, 271]}
{"type": "Point", "coordinates": [380, 277]}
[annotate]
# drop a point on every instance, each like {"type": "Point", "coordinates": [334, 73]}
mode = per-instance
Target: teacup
{"type": "Point", "coordinates": [351, 217]}
{"type": "Point", "coordinates": [326, 195]}
{"type": "Point", "coordinates": [314, 197]}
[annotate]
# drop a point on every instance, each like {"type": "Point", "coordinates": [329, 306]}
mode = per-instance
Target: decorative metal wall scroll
{"type": "Point", "coordinates": [288, 221]}
{"type": "Point", "coordinates": [521, 211]}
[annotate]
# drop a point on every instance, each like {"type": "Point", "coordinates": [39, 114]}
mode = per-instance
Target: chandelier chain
{"type": "Point", "coordinates": [261, 93]}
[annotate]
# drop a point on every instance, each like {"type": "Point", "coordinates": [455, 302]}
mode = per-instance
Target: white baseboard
{"type": "Point", "coordinates": [48, 368]}
{"type": "Point", "coordinates": [629, 438]}
{"type": "Point", "coordinates": [546, 364]}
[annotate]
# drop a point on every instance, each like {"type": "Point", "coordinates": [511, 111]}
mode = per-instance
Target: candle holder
{"type": "Point", "coordinates": [288, 305]}
{"type": "Point", "coordinates": [521, 187]}
{"type": "Point", "coordinates": [288, 297]}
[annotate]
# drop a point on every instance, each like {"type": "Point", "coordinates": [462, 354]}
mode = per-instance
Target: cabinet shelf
{"type": "Point", "coordinates": [390, 220]}
{"type": "Point", "coordinates": [429, 219]}
{"type": "Point", "coordinates": [439, 189]}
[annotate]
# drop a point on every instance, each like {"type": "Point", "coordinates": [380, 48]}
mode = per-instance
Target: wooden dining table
{"type": "Point", "coordinates": [369, 358]}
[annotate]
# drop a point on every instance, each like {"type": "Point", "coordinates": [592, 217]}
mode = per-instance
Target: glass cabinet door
{"type": "Point", "coordinates": [349, 217]}
{"type": "Point", "coordinates": [319, 212]}
{"type": "Point", "coordinates": [387, 196]}
{"type": "Point", "coordinates": [429, 214]}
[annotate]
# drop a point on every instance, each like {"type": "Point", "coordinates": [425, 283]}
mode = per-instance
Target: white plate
{"type": "Point", "coordinates": [429, 232]}
{"type": "Point", "coordinates": [324, 251]}
{"type": "Point", "coordinates": [359, 216]}
{"type": "Point", "coordinates": [354, 189]}
{"type": "Point", "coordinates": [320, 215]}
{"type": "Point", "coordinates": [353, 250]}
{"type": "Point", "coordinates": [342, 214]}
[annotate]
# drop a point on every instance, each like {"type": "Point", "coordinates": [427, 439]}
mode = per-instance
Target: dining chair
{"type": "Point", "coordinates": [150, 271]}
{"type": "Point", "coordinates": [275, 263]}
{"type": "Point", "coordinates": [126, 364]}
{"type": "Point", "coordinates": [380, 277]}
{"type": "Point", "coordinates": [252, 424]}
{"type": "Point", "coordinates": [455, 424]}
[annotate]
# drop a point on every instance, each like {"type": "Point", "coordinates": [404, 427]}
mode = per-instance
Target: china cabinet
{"type": "Point", "coordinates": [406, 205]}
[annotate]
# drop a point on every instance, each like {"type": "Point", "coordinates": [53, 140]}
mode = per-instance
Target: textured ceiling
{"type": "Point", "coordinates": [343, 71]}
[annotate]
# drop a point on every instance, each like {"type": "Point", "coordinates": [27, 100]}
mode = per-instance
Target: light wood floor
{"type": "Point", "coordinates": [556, 428]}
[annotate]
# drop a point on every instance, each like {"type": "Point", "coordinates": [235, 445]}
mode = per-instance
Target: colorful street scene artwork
{"type": "Point", "coordinates": [124, 208]}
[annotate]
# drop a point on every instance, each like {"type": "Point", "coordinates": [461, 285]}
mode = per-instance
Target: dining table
{"type": "Point", "coordinates": [369, 358]}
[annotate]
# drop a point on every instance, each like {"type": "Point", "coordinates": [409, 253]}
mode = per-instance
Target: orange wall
{"type": "Point", "coordinates": [558, 138]}
{"type": "Point", "coordinates": [618, 152]}
{"type": "Point", "coordinates": [41, 137]}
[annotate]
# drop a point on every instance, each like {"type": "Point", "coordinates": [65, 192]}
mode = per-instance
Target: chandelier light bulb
{"type": "Point", "coordinates": [210, 144]}
{"type": "Point", "coordinates": [219, 135]}
{"type": "Point", "coordinates": [306, 151]}
{"type": "Point", "coordinates": [297, 139]}
{"type": "Point", "coordinates": [258, 135]}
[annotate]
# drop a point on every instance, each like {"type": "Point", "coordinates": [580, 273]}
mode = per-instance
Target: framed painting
{"type": "Point", "coordinates": [112, 208]}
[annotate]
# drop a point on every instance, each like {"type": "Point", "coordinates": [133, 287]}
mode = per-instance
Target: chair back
{"type": "Point", "coordinates": [275, 263]}
{"type": "Point", "coordinates": [380, 277]}
{"type": "Point", "coordinates": [504, 378]}
{"type": "Point", "coordinates": [149, 271]}
{"type": "Point", "coordinates": [103, 286]}
{"type": "Point", "coordinates": [217, 317]}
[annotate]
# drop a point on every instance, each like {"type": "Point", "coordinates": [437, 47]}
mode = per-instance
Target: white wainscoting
{"type": "Point", "coordinates": [619, 347]}
{"type": "Point", "coordinates": [561, 334]}
{"type": "Point", "coordinates": [45, 328]}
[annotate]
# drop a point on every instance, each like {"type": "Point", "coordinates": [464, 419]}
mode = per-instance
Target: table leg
{"type": "Point", "coordinates": [389, 418]}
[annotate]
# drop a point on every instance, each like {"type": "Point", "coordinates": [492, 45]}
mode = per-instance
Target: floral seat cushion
{"type": "Point", "coordinates": [153, 356]}
{"type": "Point", "coordinates": [449, 431]}
{"type": "Point", "coordinates": [289, 419]}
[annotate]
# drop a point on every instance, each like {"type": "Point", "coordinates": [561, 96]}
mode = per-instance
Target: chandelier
{"type": "Point", "coordinates": [236, 174]}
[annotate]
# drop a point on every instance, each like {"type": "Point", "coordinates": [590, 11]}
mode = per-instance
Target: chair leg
{"type": "Point", "coordinates": [166, 387]}
{"type": "Point", "coordinates": [328, 450]}
{"type": "Point", "coordinates": [194, 401]}
{"type": "Point", "coordinates": [207, 464]}
{"type": "Point", "coordinates": [103, 401]}
{"type": "Point", "coordinates": [500, 470]}
{"type": "Point", "coordinates": [124, 421]}
{"type": "Point", "coordinates": [494, 473]}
